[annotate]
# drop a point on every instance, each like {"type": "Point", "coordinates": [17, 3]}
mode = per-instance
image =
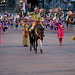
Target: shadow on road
{"type": "Point", "coordinates": [12, 46]}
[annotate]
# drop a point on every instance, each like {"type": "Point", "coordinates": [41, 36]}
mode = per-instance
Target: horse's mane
{"type": "Point", "coordinates": [40, 27]}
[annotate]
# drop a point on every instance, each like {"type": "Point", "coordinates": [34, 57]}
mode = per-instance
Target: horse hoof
{"type": "Point", "coordinates": [30, 49]}
{"type": "Point", "coordinates": [43, 35]}
{"type": "Point", "coordinates": [34, 49]}
{"type": "Point", "coordinates": [35, 52]}
{"type": "Point", "coordinates": [41, 51]}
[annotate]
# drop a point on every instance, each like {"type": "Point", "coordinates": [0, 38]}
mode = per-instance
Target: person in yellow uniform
{"type": "Point", "coordinates": [25, 41]}
{"type": "Point", "coordinates": [35, 16]}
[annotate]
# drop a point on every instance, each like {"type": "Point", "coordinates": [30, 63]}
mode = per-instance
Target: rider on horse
{"type": "Point", "coordinates": [35, 16]}
{"type": "Point", "coordinates": [68, 14]}
{"type": "Point", "coordinates": [36, 30]}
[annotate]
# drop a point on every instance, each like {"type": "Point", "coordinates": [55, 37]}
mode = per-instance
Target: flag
{"type": "Point", "coordinates": [24, 8]}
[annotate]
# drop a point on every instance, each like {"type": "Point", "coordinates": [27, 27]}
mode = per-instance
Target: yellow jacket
{"type": "Point", "coordinates": [35, 16]}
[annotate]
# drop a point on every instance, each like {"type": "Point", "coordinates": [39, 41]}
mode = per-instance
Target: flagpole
{"type": "Point", "coordinates": [60, 3]}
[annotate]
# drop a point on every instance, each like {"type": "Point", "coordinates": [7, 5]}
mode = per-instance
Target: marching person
{"type": "Point", "coordinates": [4, 23]}
{"type": "Point", "coordinates": [11, 20]}
{"type": "Point", "coordinates": [47, 23]}
{"type": "Point", "coordinates": [60, 33]}
{"type": "Point", "coordinates": [56, 11]}
{"type": "Point", "coordinates": [51, 24]}
{"type": "Point", "coordinates": [51, 12]}
{"type": "Point", "coordinates": [16, 24]}
{"type": "Point", "coordinates": [21, 20]}
{"type": "Point", "coordinates": [16, 17]}
{"type": "Point", "coordinates": [8, 21]}
{"type": "Point", "coordinates": [56, 20]}
{"type": "Point", "coordinates": [12, 23]}
{"type": "Point", "coordinates": [71, 20]}
{"type": "Point", "coordinates": [25, 34]}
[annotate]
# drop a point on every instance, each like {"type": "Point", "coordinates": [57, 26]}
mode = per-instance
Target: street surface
{"type": "Point", "coordinates": [55, 60]}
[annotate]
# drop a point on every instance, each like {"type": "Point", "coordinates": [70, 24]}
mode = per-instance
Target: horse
{"type": "Point", "coordinates": [37, 33]}
{"type": "Point", "coordinates": [70, 20]}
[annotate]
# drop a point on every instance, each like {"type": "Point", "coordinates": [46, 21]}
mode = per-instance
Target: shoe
{"type": "Point", "coordinates": [61, 45]}
{"type": "Point", "coordinates": [25, 45]}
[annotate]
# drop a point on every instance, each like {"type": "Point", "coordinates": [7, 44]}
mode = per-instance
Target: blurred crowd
{"type": "Point", "coordinates": [54, 20]}
{"type": "Point", "coordinates": [47, 20]}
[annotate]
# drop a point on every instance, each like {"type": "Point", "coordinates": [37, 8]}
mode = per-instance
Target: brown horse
{"type": "Point", "coordinates": [70, 21]}
{"type": "Point", "coordinates": [36, 34]}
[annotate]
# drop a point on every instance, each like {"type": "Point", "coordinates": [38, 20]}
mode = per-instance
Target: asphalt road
{"type": "Point", "coordinates": [55, 60]}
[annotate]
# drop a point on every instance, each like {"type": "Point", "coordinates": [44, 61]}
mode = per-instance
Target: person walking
{"type": "Point", "coordinates": [60, 33]}
{"type": "Point", "coordinates": [25, 34]}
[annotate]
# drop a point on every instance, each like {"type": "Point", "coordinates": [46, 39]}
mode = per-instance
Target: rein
{"type": "Point", "coordinates": [37, 33]}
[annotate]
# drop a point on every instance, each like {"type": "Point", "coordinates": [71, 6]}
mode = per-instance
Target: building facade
{"type": "Point", "coordinates": [47, 4]}
{"type": "Point", "coordinates": [12, 4]}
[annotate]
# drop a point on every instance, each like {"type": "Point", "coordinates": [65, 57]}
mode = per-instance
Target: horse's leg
{"type": "Point", "coordinates": [36, 47]}
{"type": "Point", "coordinates": [30, 41]}
{"type": "Point", "coordinates": [72, 27]}
{"type": "Point", "coordinates": [30, 47]}
{"type": "Point", "coordinates": [41, 46]}
{"type": "Point", "coordinates": [67, 25]}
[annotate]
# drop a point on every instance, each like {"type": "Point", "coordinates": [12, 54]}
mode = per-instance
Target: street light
{"type": "Point", "coordinates": [4, 1]}
{"type": "Point", "coordinates": [1, 2]}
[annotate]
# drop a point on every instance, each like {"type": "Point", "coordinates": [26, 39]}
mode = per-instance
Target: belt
{"type": "Point", "coordinates": [35, 21]}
